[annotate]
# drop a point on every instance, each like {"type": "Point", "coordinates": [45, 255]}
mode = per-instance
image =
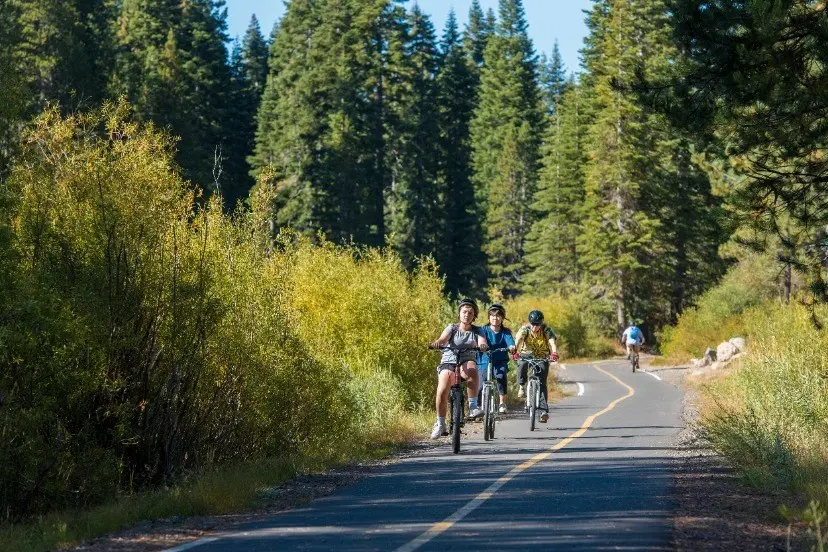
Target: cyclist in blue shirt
{"type": "Point", "coordinates": [498, 337]}
{"type": "Point", "coordinates": [633, 339]}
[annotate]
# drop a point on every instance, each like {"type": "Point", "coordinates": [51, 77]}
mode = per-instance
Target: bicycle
{"type": "Point", "coordinates": [457, 399]}
{"type": "Point", "coordinates": [533, 389]}
{"type": "Point", "coordinates": [634, 360]}
{"type": "Point", "coordinates": [488, 399]}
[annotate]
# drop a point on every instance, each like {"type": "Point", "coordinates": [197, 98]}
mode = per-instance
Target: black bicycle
{"type": "Point", "coordinates": [634, 360]}
{"type": "Point", "coordinates": [457, 399]}
{"type": "Point", "coordinates": [533, 387]}
{"type": "Point", "coordinates": [489, 396]}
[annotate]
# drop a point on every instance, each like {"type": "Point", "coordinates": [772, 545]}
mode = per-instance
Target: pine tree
{"type": "Point", "coordinates": [616, 230]}
{"type": "Point", "coordinates": [508, 214]}
{"type": "Point", "coordinates": [552, 78]}
{"type": "Point", "coordinates": [645, 197]}
{"type": "Point", "coordinates": [254, 54]}
{"type": "Point", "coordinates": [13, 89]}
{"type": "Point", "coordinates": [477, 33]}
{"type": "Point", "coordinates": [248, 67]}
{"type": "Point", "coordinates": [552, 249]}
{"type": "Point", "coordinates": [172, 65]}
{"type": "Point", "coordinates": [508, 100]}
{"type": "Point", "coordinates": [331, 120]}
{"type": "Point", "coordinates": [461, 256]}
{"type": "Point", "coordinates": [415, 216]}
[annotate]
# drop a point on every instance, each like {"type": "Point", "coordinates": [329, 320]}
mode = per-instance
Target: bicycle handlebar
{"type": "Point", "coordinates": [455, 349]}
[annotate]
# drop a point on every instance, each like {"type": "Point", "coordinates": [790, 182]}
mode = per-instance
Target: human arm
{"type": "Point", "coordinates": [521, 337]}
{"type": "Point", "coordinates": [482, 344]}
{"type": "Point", "coordinates": [553, 344]}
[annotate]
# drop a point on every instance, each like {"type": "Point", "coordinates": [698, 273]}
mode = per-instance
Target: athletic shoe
{"type": "Point", "coordinates": [544, 418]}
{"type": "Point", "coordinates": [522, 391]}
{"type": "Point", "coordinates": [439, 430]}
{"type": "Point", "coordinates": [502, 409]}
{"type": "Point", "coordinates": [475, 414]}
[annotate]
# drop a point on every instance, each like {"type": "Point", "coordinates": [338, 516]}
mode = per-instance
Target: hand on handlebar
{"type": "Point", "coordinates": [553, 357]}
{"type": "Point", "coordinates": [515, 356]}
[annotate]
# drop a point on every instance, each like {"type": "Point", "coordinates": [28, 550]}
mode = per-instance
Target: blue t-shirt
{"type": "Point", "coordinates": [496, 340]}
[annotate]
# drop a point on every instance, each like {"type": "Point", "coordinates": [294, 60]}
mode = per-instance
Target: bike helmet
{"type": "Point", "coordinates": [469, 302]}
{"type": "Point", "coordinates": [497, 307]}
{"type": "Point", "coordinates": [536, 317]}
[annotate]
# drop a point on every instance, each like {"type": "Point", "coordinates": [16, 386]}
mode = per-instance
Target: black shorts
{"type": "Point", "coordinates": [448, 366]}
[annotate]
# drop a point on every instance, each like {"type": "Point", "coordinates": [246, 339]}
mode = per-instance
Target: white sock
{"type": "Point", "coordinates": [442, 420]}
{"type": "Point", "coordinates": [472, 403]}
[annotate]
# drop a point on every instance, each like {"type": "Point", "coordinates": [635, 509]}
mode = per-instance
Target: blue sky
{"type": "Point", "coordinates": [548, 20]}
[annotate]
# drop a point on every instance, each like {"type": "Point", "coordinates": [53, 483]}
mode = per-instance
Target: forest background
{"type": "Point", "coordinates": [188, 225]}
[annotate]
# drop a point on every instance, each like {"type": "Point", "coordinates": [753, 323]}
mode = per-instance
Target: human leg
{"type": "Point", "coordinates": [544, 373]}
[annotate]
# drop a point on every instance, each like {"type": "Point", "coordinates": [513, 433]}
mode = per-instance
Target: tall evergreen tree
{"type": "Point", "coordinates": [461, 254]}
{"type": "Point", "coordinates": [552, 247]}
{"type": "Point", "coordinates": [552, 77]}
{"type": "Point", "coordinates": [644, 195]}
{"type": "Point", "coordinates": [65, 48]}
{"type": "Point", "coordinates": [331, 121]}
{"type": "Point", "coordinates": [508, 106]}
{"type": "Point", "coordinates": [172, 65]}
{"type": "Point", "coordinates": [477, 33]}
{"type": "Point", "coordinates": [415, 216]}
{"type": "Point", "coordinates": [248, 66]}
{"type": "Point", "coordinates": [617, 231]}
{"type": "Point", "coordinates": [13, 88]}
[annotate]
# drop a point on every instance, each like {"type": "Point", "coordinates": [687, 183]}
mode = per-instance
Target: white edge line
{"type": "Point", "coordinates": [580, 388]}
{"type": "Point", "coordinates": [651, 374]}
{"type": "Point", "coordinates": [192, 544]}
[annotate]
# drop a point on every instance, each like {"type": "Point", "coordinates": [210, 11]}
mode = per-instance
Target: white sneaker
{"type": "Point", "coordinates": [522, 391]}
{"type": "Point", "coordinates": [475, 414]}
{"type": "Point", "coordinates": [439, 430]}
{"type": "Point", "coordinates": [502, 408]}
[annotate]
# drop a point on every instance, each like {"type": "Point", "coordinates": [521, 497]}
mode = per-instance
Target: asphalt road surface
{"type": "Point", "coordinates": [596, 477]}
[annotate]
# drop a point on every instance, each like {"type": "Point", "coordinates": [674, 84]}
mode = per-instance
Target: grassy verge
{"type": "Point", "coordinates": [226, 491]}
{"type": "Point", "coordinates": [769, 414]}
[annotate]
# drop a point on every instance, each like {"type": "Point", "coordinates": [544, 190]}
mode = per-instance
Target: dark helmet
{"type": "Point", "coordinates": [536, 317]}
{"type": "Point", "coordinates": [469, 302]}
{"type": "Point", "coordinates": [497, 307]}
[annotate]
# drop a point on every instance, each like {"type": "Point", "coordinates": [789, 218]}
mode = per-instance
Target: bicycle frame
{"type": "Point", "coordinates": [457, 399]}
{"type": "Point", "coordinates": [533, 388]}
{"type": "Point", "coordinates": [488, 394]}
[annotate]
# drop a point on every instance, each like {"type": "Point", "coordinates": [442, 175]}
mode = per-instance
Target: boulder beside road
{"type": "Point", "coordinates": [725, 351]}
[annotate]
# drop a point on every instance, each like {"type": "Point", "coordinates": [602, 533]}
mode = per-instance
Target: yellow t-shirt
{"type": "Point", "coordinates": [536, 345]}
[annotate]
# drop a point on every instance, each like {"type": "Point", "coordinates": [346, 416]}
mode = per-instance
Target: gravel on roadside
{"type": "Point", "coordinates": [715, 510]}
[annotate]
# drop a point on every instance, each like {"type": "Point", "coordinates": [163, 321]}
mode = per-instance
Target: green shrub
{"type": "Point", "coordinates": [769, 415]}
{"type": "Point", "coordinates": [577, 321]}
{"type": "Point", "coordinates": [148, 336]}
{"type": "Point", "coordinates": [718, 316]}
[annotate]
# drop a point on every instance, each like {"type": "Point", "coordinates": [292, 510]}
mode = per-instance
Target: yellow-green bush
{"type": "Point", "coordinates": [769, 415]}
{"type": "Point", "coordinates": [578, 330]}
{"type": "Point", "coordinates": [718, 315]}
{"type": "Point", "coordinates": [148, 335]}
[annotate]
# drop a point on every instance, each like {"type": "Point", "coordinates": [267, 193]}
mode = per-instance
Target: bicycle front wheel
{"type": "Point", "coordinates": [492, 407]}
{"type": "Point", "coordinates": [487, 416]}
{"type": "Point", "coordinates": [531, 396]}
{"type": "Point", "coordinates": [456, 420]}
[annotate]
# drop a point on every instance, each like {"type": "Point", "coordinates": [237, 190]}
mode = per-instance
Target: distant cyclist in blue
{"type": "Point", "coordinates": [498, 337]}
{"type": "Point", "coordinates": [633, 338]}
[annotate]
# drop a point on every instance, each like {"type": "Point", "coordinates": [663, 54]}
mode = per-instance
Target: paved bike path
{"type": "Point", "coordinates": [606, 489]}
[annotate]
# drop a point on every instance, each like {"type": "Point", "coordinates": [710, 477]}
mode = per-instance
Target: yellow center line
{"type": "Point", "coordinates": [443, 526]}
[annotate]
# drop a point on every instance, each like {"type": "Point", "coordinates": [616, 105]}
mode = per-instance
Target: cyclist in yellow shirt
{"type": "Point", "coordinates": [537, 340]}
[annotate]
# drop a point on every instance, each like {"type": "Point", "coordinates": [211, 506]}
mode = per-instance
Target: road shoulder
{"type": "Point", "coordinates": [714, 509]}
